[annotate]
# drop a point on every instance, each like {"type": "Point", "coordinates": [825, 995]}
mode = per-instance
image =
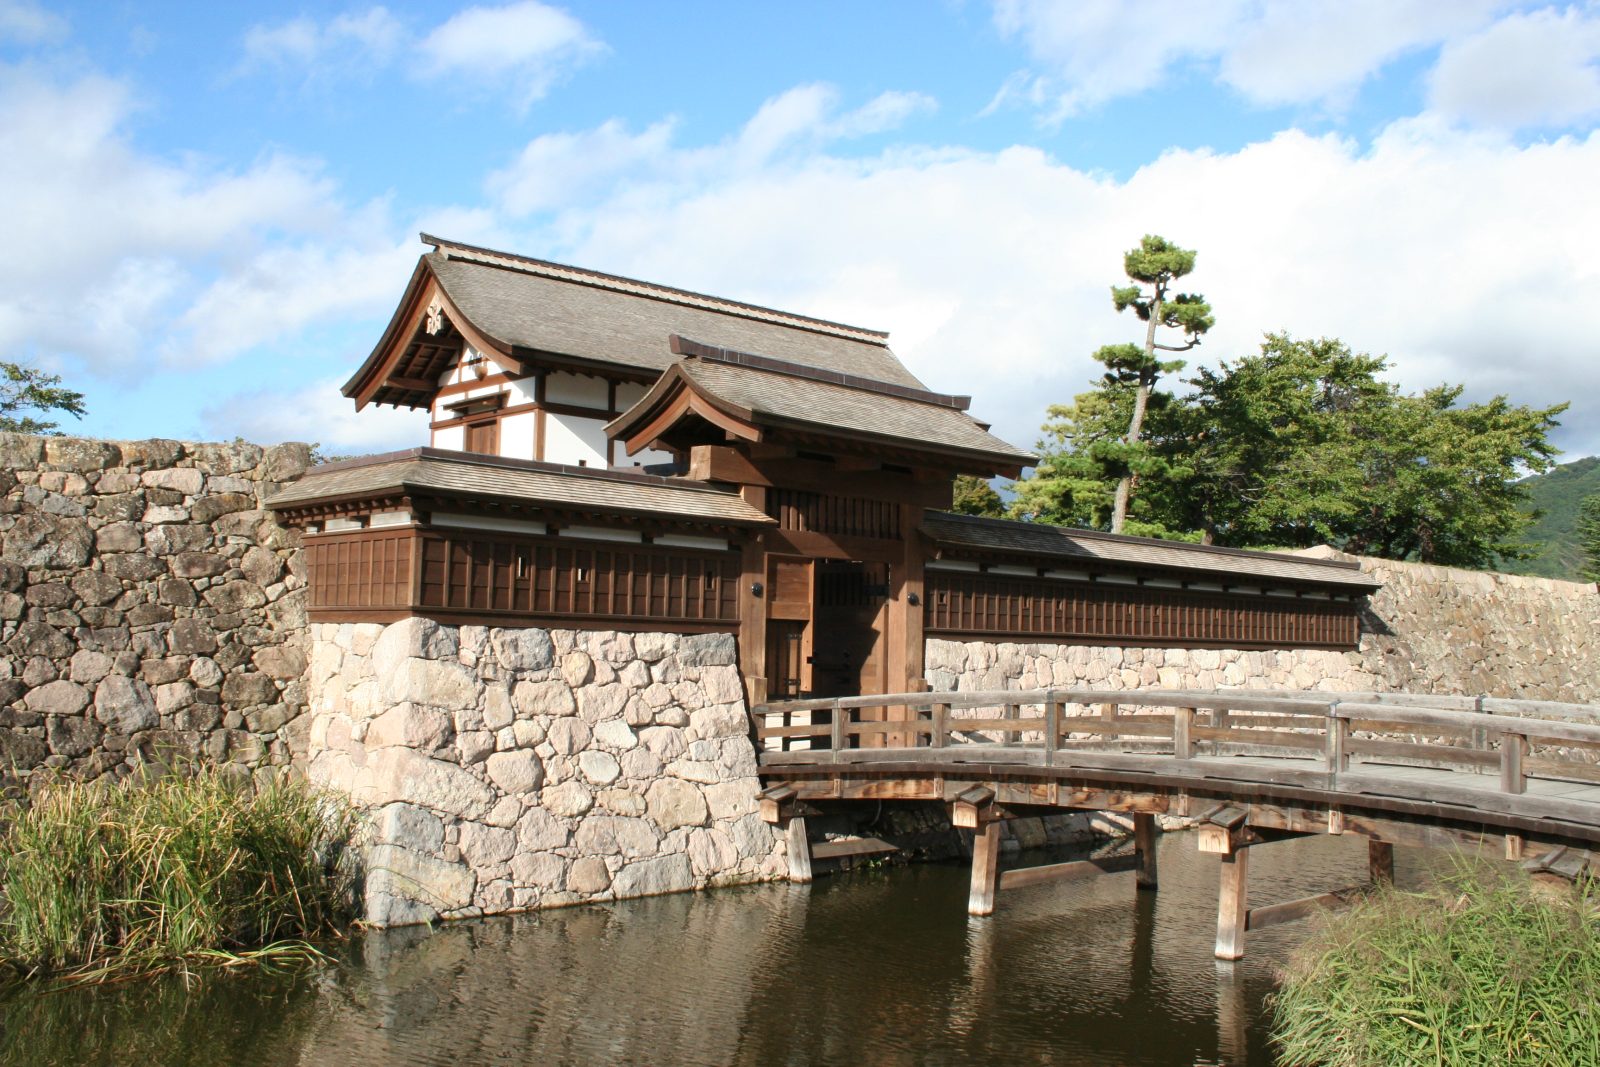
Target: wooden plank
{"type": "Point", "coordinates": [1233, 909]}
{"type": "Point", "coordinates": [865, 846]}
{"type": "Point", "coordinates": [1074, 870]}
{"type": "Point", "coordinates": [985, 865]}
{"type": "Point", "coordinates": [799, 847]}
{"type": "Point", "coordinates": [1293, 910]}
{"type": "Point", "coordinates": [1183, 733]}
{"type": "Point", "coordinates": [1145, 837]}
{"type": "Point", "coordinates": [1494, 725]}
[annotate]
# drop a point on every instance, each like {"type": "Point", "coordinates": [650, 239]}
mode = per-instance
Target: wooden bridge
{"type": "Point", "coordinates": [1248, 767]}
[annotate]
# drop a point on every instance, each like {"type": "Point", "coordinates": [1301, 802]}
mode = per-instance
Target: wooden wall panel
{"type": "Point", "coordinates": [1043, 610]}
{"type": "Point", "coordinates": [495, 577]}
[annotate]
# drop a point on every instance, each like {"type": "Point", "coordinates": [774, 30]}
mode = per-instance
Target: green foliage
{"type": "Point", "coordinates": [1588, 531]}
{"type": "Point", "coordinates": [1302, 444]}
{"type": "Point", "coordinates": [27, 389]}
{"type": "Point", "coordinates": [974, 496]}
{"type": "Point", "coordinates": [1552, 538]}
{"type": "Point", "coordinates": [1478, 971]}
{"type": "Point", "coordinates": [104, 879]}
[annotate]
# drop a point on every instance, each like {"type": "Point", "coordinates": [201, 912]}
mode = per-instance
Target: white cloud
{"type": "Point", "coordinates": [25, 22]}
{"type": "Point", "coordinates": [528, 45]}
{"type": "Point", "coordinates": [371, 36]}
{"type": "Point", "coordinates": [316, 413]}
{"type": "Point", "coordinates": [122, 259]}
{"type": "Point", "coordinates": [1271, 51]}
{"type": "Point", "coordinates": [1452, 252]}
{"type": "Point", "coordinates": [1540, 68]}
{"type": "Point", "coordinates": [563, 170]}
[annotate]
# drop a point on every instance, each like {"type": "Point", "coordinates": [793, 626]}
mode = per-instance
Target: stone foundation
{"type": "Point", "coordinates": [522, 768]}
{"type": "Point", "coordinates": [150, 609]}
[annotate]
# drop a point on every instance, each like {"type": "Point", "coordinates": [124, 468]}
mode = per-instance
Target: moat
{"type": "Point", "coordinates": [877, 966]}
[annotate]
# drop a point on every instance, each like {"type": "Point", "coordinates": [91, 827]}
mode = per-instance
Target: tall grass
{"type": "Point", "coordinates": [100, 880]}
{"type": "Point", "coordinates": [1479, 969]}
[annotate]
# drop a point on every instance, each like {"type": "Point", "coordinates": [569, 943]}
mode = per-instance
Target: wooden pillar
{"type": "Point", "coordinates": [985, 869]}
{"type": "Point", "coordinates": [1380, 862]}
{"type": "Point", "coordinates": [1145, 836]}
{"type": "Point", "coordinates": [799, 850]}
{"type": "Point", "coordinates": [1233, 904]}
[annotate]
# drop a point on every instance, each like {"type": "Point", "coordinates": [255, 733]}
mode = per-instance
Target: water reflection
{"type": "Point", "coordinates": [880, 967]}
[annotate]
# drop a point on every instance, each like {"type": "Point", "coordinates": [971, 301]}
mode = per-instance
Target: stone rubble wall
{"type": "Point", "coordinates": [508, 769]}
{"type": "Point", "coordinates": [1430, 630]}
{"type": "Point", "coordinates": [150, 608]}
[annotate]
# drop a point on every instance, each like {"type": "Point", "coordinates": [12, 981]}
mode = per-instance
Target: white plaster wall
{"type": "Point", "coordinates": [580, 390]}
{"type": "Point", "coordinates": [574, 441]}
{"type": "Point", "coordinates": [451, 437]}
{"type": "Point", "coordinates": [516, 435]}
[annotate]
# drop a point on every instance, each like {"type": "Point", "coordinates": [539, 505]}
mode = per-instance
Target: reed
{"type": "Point", "coordinates": [103, 880]}
{"type": "Point", "coordinates": [1478, 969]}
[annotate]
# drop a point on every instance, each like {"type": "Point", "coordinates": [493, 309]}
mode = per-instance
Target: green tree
{"type": "Point", "coordinates": [1153, 266]}
{"type": "Point", "coordinates": [1304, 444]}
{"type": "Point", "coordinates": [974, 496]}
{"type": "Point", "coordinates": [24, 389]}
{"type": "Point", "coordinates": [1588, 531]}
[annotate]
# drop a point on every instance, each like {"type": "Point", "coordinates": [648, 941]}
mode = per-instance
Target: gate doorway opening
{"type": "Point", "coordinates": [826, 627]}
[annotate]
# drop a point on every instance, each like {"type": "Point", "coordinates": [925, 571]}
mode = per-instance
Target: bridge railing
{"type": "Point", "coordinates": [1320, 732]}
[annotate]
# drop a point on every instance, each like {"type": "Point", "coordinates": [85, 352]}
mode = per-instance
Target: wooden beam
{"type": "Point", "coordinates": [1067, 872]}
{"type": "Point", "coordinates": [1233, 904]}
{"type": "Point", "coordinates": [972, 808]}
{"type": "Point", "coordinates": [985, 865]}
{"type": "Point", "coordinates": [1291, 910]}
{"type": "Point", "coordinates": [865, 846]}
{"type": "Point", "coordinates": [772, 801]}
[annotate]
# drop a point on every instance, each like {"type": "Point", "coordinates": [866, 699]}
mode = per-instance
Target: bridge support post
{"type": "Point", "coordinates": [985, 869]}
{"type": "Point", "coordinates": [799, 850]}
{"type": "Point", "coordinates": [1233, 902]}
{"type": "Point", "coordinates": [1145, 836]}
{"type": "Point", "coordinates": [1380, 862]}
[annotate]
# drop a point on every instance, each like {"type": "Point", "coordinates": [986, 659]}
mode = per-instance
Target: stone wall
{"type": "Point", "coordinates": [1429, 630]}
{"type": "Point", "coordinates": [149, 607]}
{"type": "Point", "coordinates": [518, 768]}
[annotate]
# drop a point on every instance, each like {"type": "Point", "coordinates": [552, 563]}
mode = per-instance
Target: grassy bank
{"type": "Point", "coordinates": [1479, 969]}
{"type": "Point", "coordinates": [101, 880]}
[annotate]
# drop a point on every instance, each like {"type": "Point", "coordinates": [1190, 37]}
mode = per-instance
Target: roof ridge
{"type": "Point", "coordinates": [691, 349]}
{"type": "Point", "coordinates": [479, 459]}
{"type": "Point", "coordinates": [1102, 535]}
{"type": "Point", "coordinates": [687, 297]}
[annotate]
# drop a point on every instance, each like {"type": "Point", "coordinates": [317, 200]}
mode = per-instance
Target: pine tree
{"type": "Point", "coordinates": [1154, 265]}
{"type": "Point", "coordinates": [1588, 531]}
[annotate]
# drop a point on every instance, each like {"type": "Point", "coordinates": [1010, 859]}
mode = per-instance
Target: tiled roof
{"type": "Point", "coordinates": [428, 470]}
{"type": "Point", "coordinates": [546, 307]}
{"type": "Point", "coordinates": [773, 397]}
{"type": "Point", "coordinates": [1069, 546]}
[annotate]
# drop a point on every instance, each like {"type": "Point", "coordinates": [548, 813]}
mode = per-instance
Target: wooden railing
{"type": "Point", "coordinates": [1328, 742]}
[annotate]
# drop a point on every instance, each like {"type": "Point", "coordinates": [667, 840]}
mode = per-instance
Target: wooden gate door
{"type": "Point", "coordinates": [791, 587]}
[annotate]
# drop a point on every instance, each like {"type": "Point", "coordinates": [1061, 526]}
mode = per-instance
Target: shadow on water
{"type": "Point", "coordinates": [879, 967]}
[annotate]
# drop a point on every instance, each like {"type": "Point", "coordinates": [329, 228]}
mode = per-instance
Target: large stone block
{"type": "Point", "coordinates": [523, 649]}
{"type": "Point", "coordinates": [125, 705]}
{"type": "Point", "coordinates": [540, 831]}
{"type": "Point", "coordinates": [673, 803]}
{"type": "Point", "coordinates": [707, 650]}
{"type": "Point", "coordinates": [551, 697]}
{"type": "Point", "coordinates": [398, 880]}
{"type": "Point", "coordinates": [516, 772]}
{"type": "Point", "coordinates": [401, 774]}
{"type": "Point", "coordinates": [58, 698]}
{"type": "Point", "coordinates": [411, 725]}
{"type": "Point", "coordinates": [434, 682]}
{"type": "Point", "coordinates": [412, 639]}
{"type": "Point", "coordinates": [653, 876]}
{"type": "Point", "coordinates": [56, 542]}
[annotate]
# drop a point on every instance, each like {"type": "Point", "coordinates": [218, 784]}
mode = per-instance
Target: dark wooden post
{"type": "Point", "coordinates": [1052, 728]}
{"type": "Point", "coordinates": [985, 868]}
{"type": "Point", "coordinates": [1380, 862]}
{"type": "Point", "coordinates": [1233, 904]}
{"type": "Point", "coordinates": [1145, 836]}
{"type": "Point", "coordinates": [1182, 721]}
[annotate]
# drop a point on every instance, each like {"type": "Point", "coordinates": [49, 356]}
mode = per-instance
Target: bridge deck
{"type": "Point", "coordinates": [1251, 767]}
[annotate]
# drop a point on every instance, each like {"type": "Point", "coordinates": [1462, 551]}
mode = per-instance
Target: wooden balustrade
{"type": "Point", "coordinates": [1312, 740]}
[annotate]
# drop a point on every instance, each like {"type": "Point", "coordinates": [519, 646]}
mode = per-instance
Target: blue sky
{"type": "Point", "coordinates": [214, 207]}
